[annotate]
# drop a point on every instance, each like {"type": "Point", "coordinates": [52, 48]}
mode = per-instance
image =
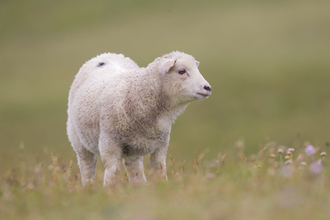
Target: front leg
{"type": "Point", "coordinates": [158, 162]}
{"type": "Point", "coordinates": [135, 170]}
{"type": "Point", "coordinates": [111, 155]}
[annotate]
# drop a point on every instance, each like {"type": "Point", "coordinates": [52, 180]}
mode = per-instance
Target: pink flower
{"type": "Point", "coordinates": [316, 167]}
{"type": "Point", "coordinates": [290, 151]}
{"type": "Point", "coordinates": [209, 175]}
{"type": "Point", "coordinates": [310, 150]}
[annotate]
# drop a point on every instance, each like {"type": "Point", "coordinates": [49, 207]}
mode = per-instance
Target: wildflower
{"type": "Point", "coordinates": [30, 186]}
{"type": "Point", "coordinates": [239, 144]}
{"type": "Point", "coordinates": [316, 167]}
{"type": "Point", "coordinates": [288, 162]}
{"type": "Point", "coordinates": [38, 170]}
{"type": "Point", "coordinates": [272, 155]}
{"type": "Point", "coordinates": [323, 154]}
{"type": "Point", "coordinates": [310, 150]}
{"type": "Point", "coordinates": [300, 157]}
{"type": "Point", "coordinates": [51, 167]}
{"type": "Point", "coordinates": [290, 151]}
{"type": "Point", "coordinates": [287, 157]}
{"type": "Point", "coordinates": [253, 157]}
{"type": "Point", "coordinates": [209, 175]}
{"type": "Point", "coordinates": [280, 151]}
{"type": "Point", "coordinates": [21, 146]}
{"type": "Point", "coordinates": [303, 163]}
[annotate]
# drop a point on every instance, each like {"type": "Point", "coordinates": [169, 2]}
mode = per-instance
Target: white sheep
{"type": "Point", "coordinates": [118, 110]}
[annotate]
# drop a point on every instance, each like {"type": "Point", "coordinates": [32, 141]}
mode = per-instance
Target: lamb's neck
{"type": "Point", "coordinates": [167, 106]}
{"type": "Point", "coordinates": [167, 118]}
{"type": "Point", "coordinates": [145, 98]}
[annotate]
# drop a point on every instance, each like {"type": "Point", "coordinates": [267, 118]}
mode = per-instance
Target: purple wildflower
{"type": "Point", "coordinates": [316, 167]}
{"type": "Point", "coordinates": [310, 150]}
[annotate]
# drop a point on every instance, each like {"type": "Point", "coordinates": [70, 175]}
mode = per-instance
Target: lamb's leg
{"type": "Point", "coordinates": [135, 170]}
{"type": "Point", "coordinates": [87, 165]}
{"type": "Point", "coordinates": [86, 159]}
{"type": "Point", "coordinates": [111, 156]}
{"type": "Point", "coordinates": [158, 162]}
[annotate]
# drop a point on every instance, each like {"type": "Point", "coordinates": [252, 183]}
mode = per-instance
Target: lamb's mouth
{"type": "Point", "coordinates": [205, 95]}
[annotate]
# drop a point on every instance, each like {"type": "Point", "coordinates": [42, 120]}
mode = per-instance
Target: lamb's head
{"type": "Point", "coordinates": [182, 80]}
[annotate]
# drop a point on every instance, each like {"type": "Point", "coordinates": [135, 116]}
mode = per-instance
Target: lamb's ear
{"type": "Point", "coordinates": [197, 63]}
{"type": "Point", "coordinates": [167, 65]}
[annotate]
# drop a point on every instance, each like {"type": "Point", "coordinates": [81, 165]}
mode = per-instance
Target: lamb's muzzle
{"type": "Point", "coordinates": [204, 92]}
{"type": "Point", "coordinates": [207, 88]}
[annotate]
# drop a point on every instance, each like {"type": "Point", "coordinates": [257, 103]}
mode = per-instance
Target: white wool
{"type": "Point", "coordinates": [118, 110]}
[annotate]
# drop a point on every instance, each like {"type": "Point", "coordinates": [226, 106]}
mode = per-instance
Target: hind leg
{"type": "Point", "coordinates": [86, 159]}
{"type": "Point", "coordinates": [111, 156]}
{"type": "Point", "coordinates": [87, 165]}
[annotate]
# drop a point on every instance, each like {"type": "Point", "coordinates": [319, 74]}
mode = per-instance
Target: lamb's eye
{"type": "Point", "coordinates": [181, 72]}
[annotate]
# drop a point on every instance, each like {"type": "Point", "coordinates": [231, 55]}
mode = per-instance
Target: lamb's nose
{"type": "Point", "coordinates": [207, 88]}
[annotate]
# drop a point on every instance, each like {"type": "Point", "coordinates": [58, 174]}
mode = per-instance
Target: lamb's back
{"type": "Point", "coordinates": [101, 81]}
{"type": "Point", "coordinates": [105, 69]}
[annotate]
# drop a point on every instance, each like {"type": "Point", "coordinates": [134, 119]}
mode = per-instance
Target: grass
{"type": "Point", "coordinates": [264, 185]}
{"type": "Point", "coordinates": [267, 63]}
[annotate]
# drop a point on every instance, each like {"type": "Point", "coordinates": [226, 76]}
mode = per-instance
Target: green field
{"type": "Point", "coordinates": [268, 63]}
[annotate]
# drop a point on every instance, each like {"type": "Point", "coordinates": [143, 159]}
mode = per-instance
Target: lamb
{"type": "Point", "coordinates": [119, 111]}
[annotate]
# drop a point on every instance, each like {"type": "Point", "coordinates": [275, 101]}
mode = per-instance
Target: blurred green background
{"type": "Point", "coordinates": [268, 63]}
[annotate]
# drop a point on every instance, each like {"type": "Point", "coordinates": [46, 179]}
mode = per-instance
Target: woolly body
{"type": "Point", "coordinates": [118, 110]}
